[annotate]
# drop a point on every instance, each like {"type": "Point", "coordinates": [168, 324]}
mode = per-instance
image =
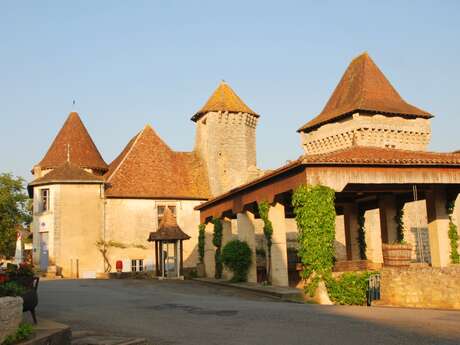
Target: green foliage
{"type": "Point", "coordinates": [453, 233]}
{"type": "Point", "coordinates": [201, 241]}
{"type": "Point", "coordinates": [399, 223]}
{"type": "Point", "coordinates": [23, 332]}
{"type": "Point", "coordinates": [349, 288]}
{"type": "Point", "coordinates": [11, 288]}
{"type": "Point", "coordinates": [315, 216]}
{"type": "Point", "coordinates": [217, 242]}
{"type": "Point", "coordinates": [236, 255]}
{"type": "Point", "coordinates": [264, 207]}
{"type": "Point", "coordinates": [362, 235]}
{"type": "Point", "coordinates": [15, 211]}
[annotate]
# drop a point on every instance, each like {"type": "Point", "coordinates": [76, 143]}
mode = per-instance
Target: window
{"type": "Point", "coordinates": [137, 265]}
{"type": "Point", "coordinates": [44, 200]}
{"type": "Point", "coordinates": [161, 211]}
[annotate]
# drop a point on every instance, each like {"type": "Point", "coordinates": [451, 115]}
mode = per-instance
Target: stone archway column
{"type": "Point", "coordinates": [351, 231]}
{"type": "Point", "coordinates": [387, 207]}
{"type": "Point", "coordinates": [373, 236]}
{"type": "Point", "coordinates": [227, 236]}
{"type": "Point", "coordinates": [438, 227]}
{"type": "Point", "coordinates": [245, 224]}
{"type": "Point", "coordinates": [279, 262]}
{"type": "Point", "coordinates": [209, 251]}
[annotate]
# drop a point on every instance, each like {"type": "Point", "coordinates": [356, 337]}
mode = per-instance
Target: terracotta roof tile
{"type": "Point", "coordinates": [67, 172]}
{"type": "Point", "coordinates": [148, 168]}
{"type": "Point", "coordinates": [168, 229]}
{"type": "Point", "coordinates": [224, 99]}
{"type": "Point", "coordinates": [364, 88]}
{"type": "Point", "coordinates": [73, 140]}
{"type": "Point", "coordinates": [361, 155]}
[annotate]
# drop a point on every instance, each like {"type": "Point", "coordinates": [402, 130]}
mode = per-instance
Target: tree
{"type": "Point", "coordinates": [264, 207]}
{"type": "Point", "coordinates": [15, 211]}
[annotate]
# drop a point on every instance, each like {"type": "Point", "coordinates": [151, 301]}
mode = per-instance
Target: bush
{"type": "Point", "coordinates": [201, 241]}
{"type": "Point", "coordinates": [236, 255]}
{"type": "Point", "coordinates": [12, 289]}
{"type": "Point", "coordinates": [23, 332]}
{"type": "Point", "coordinates": [349, 288]}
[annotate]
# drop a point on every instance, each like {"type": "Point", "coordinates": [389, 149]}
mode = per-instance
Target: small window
{"type": "Point", "coordinates": [137, 265]}
{"type": "Point", "coordinates": [161, 211]}
{"type": "Point", "coordinates": [44, 200]}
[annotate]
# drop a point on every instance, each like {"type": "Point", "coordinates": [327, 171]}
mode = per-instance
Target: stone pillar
{"type": "Point", "coordinates": [351, 231]}
{"type": "Point", "coordinates": [209, 251]}
{"type": "Point", "coordinates": [279, 262]}
{"type": "Point", "coordinates": [373, 237]}
{"type": "Point", "coordinates": [245, 224]}
{"type": "Point", "coordinates": [387, 207]}
{"type": "Point", "coordinates": [438, 227]}
{"type": "Point", "coordinates": [340, 243]}
{"type": "Point", "coordinates": [226, 237]}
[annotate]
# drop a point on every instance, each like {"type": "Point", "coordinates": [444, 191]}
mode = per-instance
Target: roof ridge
{"type": "Point", "coordinates": [138, 135]}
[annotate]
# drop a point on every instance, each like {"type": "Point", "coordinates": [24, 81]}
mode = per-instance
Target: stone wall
{"type": "Point", "coordinates": [421, 287]}
{"type": "Point", "coordinates": [366, 130]}
{"type": "Point", "coordinates": [10, 315]}
{"type": "Point", "coordinates": [227, 144]}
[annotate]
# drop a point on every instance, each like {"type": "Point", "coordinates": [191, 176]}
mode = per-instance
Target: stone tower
{"type": "Point", "coordinates": [226, 140]}
{"type": "Point", "coordinates": [366, 110]}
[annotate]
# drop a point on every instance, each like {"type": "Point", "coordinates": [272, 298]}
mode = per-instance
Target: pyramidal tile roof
{"type": "Point", "coordinates": [148, 168]}
{"type": "Point", "coordinates": [224, 99]}
{"type": "Point", "coordinates": [168, 229]}
{"type": "Point", "coordinates": [364, 87]}
{"type": "Point", "coordinates": [73, 143]}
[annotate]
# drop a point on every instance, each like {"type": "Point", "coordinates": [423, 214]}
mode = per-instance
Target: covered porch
{"type": "Point", "coordinates": [373, 188]}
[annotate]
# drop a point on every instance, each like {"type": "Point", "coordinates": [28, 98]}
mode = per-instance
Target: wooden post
{"type": "Point", "coordinates": [181, 272]}
{"type": "Point", "coordinates": [157, 267]}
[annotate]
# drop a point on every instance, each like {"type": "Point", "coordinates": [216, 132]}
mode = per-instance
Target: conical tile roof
{"type": "Point", "coordinates": [168, 229]}
{"type": "Point", "coordinates": [364, 87]}
{"type": "Point", "coordinates": [73, 143]}
{"type": "Point", "coordinates": [148, 168]}
{"type": "Point", "coordinates": [224, 99]}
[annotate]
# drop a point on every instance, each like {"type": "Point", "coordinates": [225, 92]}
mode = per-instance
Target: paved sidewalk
{"type": "Point", "coordinates": [278, 292]}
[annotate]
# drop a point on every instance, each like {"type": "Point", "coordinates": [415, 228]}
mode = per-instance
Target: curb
{"type": "Point", "coordinates": [283, 296]}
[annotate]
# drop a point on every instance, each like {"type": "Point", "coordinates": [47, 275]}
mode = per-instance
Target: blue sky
{"type": "Point", "coordinates": [129, 63]}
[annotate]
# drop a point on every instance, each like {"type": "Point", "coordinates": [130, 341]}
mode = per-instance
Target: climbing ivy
{"type": "Point", "coordinates": [264, 207]}
{"type": "Point", "coordinates": [201, 241]}
{"type": "Point", "coordinates": [399, 223]}
{"type": "Point", "coordinates": [362, 235]}
{"type": "Point", "coordinates": [453, 233]}
{"type": "Point", "coordinates": [315, 216]}
{"type": "Point", "coordinates": [217, 242]}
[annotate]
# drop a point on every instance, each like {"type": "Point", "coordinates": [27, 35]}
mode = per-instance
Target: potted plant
{"type": "Point", "coordinates": [397, 254]}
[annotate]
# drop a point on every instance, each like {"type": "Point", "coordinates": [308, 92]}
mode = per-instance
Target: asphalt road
{"type": "Point", "coordinates": [187, 312]}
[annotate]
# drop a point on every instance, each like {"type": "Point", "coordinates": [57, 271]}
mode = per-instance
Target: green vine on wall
{"type": "Point", "coordinates": [201, 241]}
{"type": "Point", "coordinates": [453, 232]}
{"type": "Point", "coordinates": [217, 242]}
{"type": "Point", "coordinates": [399, 223]}
{"type": "Point", "coordinates": [315, 216]}
{"type": "Point", "coordinates": [362, 234]}
{"type": "Point", "coordinates": [264, 207]}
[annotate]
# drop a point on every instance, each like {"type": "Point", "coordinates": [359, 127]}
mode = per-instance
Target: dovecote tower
{"type": "Point", "coordinates": [226, 139]}
{"type": "Point", "coordinates": [366, 110]}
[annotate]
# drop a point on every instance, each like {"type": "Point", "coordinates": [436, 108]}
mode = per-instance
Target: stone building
{"type": "Point", "coordinates": [84, 208]}
{"type": "Point", "coordinates": [370, 147]}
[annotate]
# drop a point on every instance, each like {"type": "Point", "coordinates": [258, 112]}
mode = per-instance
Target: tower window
{"type": "Point", "coordinates": [44, 200]}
